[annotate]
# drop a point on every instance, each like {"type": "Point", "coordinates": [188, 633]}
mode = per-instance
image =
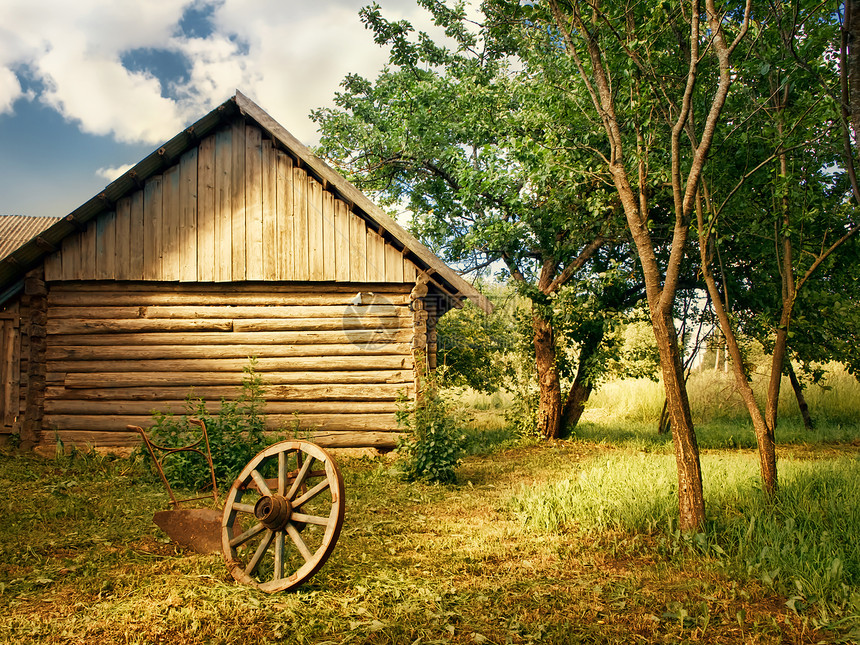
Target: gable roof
{"type": "Point", "coordinates": [29, 254]}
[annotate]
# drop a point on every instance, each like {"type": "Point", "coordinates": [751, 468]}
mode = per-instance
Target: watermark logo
{"type": "Point", "coordinates": [371, 321]}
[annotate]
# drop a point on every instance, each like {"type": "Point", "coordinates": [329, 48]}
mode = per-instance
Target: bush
{"type": "Point", "coordinates": [434, 443]}
{"type": "Point", "coordinates": [235, 437]}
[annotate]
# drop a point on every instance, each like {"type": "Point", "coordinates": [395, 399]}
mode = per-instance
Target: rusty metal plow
{"type": "Point", "coordinates": [196, 528]}
{"type": "Point", "coordinates": [291, 498]}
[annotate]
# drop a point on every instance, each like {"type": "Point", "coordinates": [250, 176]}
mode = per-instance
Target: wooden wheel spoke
{"type": "Point", "coordinates": [279, 556]}
{"type": "Point", "coordinates": [300, 478]}
{"type": "Point", "coordinates": [261, 483]}
{"type": "Point", "coordinates": [313, 492]}
{"type": "Point", "coordinates": [242, 508]}
{"type": "Point", "coordinates": [247, 535]}
{"type": "Point", "coordinates": [299, 542]}
{"type": "Point", "coordinates": [260, 552]}
{"type": "Point", "coordinates": [282, 473]}
{"type": "Point", "coordinates": [309, 519]}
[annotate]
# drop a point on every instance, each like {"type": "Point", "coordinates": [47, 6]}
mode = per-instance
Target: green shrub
{"type": "Point", "coordinates": [434, 443]}
{"type": "Point", "coordinates": [235, 436]}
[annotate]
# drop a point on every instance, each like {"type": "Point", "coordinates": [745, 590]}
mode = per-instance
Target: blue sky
{"type": "Point", "coordinates": [90, 87]}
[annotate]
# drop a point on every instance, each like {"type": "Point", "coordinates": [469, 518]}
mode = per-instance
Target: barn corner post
{"type": "Point", "coordinates": [420, 354]}
{"type": "Point", "coordinates": [35, 302]}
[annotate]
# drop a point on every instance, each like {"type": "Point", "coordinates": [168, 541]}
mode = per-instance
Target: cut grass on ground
{"type": "Point", "coordinates": [81, 562]}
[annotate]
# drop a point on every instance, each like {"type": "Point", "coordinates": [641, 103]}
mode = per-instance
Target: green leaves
{"type": "Point", "coordinates": [486, 154]}
{"type": "Point", "coordinates": [470, 346]}
{"type": "Point", "coordinates": [434, 442]}
{"type": "Point", "coordinates": [235, 436]}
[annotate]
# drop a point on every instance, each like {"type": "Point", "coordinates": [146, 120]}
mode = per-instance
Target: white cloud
{"type": "Point", "coordinates": [295, 54]}
{"type": "Point", "coordinates": [73, 49]}
{"type": "Point", "coordinates": [287, 55]}
{"type": "Point", "coordinates": [106, 98]}
{"type": "Point", "coordinates": [10, 90]}
{"type": "Point", "coordinates": [112, 173]}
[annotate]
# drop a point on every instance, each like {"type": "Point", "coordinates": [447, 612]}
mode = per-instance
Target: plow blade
{"type": "Point", "coordinates": [196, 528]}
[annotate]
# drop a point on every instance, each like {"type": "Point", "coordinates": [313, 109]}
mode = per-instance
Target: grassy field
{"type": "Point", "coordinates": [566, 543]}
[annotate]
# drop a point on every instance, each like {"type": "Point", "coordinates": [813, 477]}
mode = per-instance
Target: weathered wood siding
{"type": "Point", "coordinates": [10, 367]}
{"type": "Point", "coordinates": [116, 352]}
{"type": "Point", "coordinates": [233, 208]}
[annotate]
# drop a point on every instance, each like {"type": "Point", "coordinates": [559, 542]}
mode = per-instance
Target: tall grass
{"type": "Point", "coordinates": [805, 543]}
{"type": "Point", "coordinates": [476, 400]}
{"type": "Point", "coordinates": [626, 411]}
{"type": "Point", "coordinates": [621, 493]}
{"type": "Point", "coordinates": [625, 400]}
{"type": "Point", "coordinates": [836, 399]}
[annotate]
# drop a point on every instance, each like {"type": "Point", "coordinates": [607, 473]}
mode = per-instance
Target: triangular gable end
{"type": "Point", "coordinates": [234, 207]}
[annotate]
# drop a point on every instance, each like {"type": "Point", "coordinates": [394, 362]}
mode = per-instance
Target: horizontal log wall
{"type": "Point", "coordinates": [333, 358]}
{"type": "Point", "coordinates": [234, 208]}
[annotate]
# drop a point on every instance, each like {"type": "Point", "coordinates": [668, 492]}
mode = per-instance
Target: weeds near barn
{"type": "Point", "coordinates": [432, 446]}
{"type": "Point", "coordinates": [235, 434]}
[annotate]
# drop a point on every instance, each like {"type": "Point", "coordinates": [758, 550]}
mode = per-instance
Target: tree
{"type": "Point", "coordinates": [464, 141]}
{"type": "Point", "coordinates": [778, 202]}
{"type": "Point", "coordinates": [471, 344]}
{"type": "Point", "coordinates": [640, 67]}
{"type": "Point", "coordinates": [590, 313]}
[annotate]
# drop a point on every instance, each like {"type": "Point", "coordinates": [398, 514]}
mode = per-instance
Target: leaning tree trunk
{"type": "Point", "coordinates": [549, 407]}
{"type": "Point", "coordinates": [801, 399]}
{"type": "Point", "coordinates": [575, 404]}
{"type": "Point", "coordinates": [663, 422]}
{"type": "Point", "coordinates": [763, 432]}
{"type": "Point", "coordinates": [582, 385]}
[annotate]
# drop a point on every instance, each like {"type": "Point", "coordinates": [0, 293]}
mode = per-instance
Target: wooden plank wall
{"type": "Point", "coordinates": [233, 208]}
{"type": "Point", "coordinates": [333, 361]}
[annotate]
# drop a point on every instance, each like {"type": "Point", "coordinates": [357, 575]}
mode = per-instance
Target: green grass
{"type": "Point", "coordinates": [567, 542]}
{"type": "Point", "coordinates": [715, 435]}
{"type": "Point", "coordinates": [713, 399]}
{"type": "Point", "coordinates": [625, 412]}
{"type": "Point", "coordinates": [804, 544]}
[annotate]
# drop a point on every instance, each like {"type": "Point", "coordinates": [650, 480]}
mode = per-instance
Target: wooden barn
{"type": "Point", "coordinates": [231, 241]}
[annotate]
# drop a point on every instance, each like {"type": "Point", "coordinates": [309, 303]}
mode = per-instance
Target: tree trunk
{"type": "Point", "coordinates": [852, 27]}
{"type": "Point", "coordinates": [582, 386]}
{"type": "Point", "coordinates": [798, 394]}
{"type": "Point", "coordinates": [776, 367]}
{"type": "Point", "coordinates": [763, 432]}
{"type": "Point", "coordinates": [575, 404]}
{"type": "Point", "coordinates": [549, 408]}
{"type": "Point", "coordinates": [788, 295]}
{"type": "Point", "coordinates": [691, 501]}
{"type": "Point", "coordinates": [663, 423]}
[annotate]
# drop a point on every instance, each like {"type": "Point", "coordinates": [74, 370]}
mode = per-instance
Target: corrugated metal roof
{"type": "Point", "coordinates": [15, 230]}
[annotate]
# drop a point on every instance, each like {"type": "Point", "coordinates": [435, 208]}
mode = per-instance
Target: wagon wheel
{"type": "Point", "coordinates": [291, 496]}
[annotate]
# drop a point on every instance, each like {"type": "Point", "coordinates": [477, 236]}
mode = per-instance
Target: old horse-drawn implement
{"type": "Point", "coordinates": [281, 518]}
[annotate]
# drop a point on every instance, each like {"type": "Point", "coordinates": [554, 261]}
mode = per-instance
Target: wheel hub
{"type": "Point", "coordinates": [273, 512]}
